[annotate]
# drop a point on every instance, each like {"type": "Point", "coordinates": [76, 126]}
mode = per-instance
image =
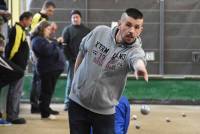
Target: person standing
{"type": "Point", "coordinates": [105, 58]}
{"type": "Point", "coordinates": [50, 65]}
{"type": "Point", "coordinates": [8, 73]}
{"type": "Point", "coordinates": [47, 10]}
{"type": "Point", "coordinates": [17, 51]}
{"type": "Point", "coordinates": [72, 36]}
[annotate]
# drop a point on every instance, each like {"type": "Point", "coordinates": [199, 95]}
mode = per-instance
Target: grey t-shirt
{"type": "Point", "coordinates": [101, 77]}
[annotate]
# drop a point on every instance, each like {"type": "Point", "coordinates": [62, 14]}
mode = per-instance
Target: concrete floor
{"type": "Point", "coordinates": [154, 123]}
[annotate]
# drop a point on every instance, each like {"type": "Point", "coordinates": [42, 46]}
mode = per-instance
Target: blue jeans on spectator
{"type": "Point", "coordinates": [70, 75]}
{"type": "Point", "coordinates": [35, 90]}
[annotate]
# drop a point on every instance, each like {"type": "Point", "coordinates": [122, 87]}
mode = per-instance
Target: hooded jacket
{"type": "Point", "coordinates": [101, 77]}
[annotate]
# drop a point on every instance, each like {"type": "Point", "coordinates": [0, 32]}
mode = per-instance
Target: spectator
{"type": "Point", "coordinates": [50, 65]}
{"type": "Point", "coordinates": [46, 11]}
{"type": "Point", "coordinates": [9, 72]}
{"type": "Point", "coordinates": [17, 51]}
{"type": "Point", "coordinates": [72, 36]}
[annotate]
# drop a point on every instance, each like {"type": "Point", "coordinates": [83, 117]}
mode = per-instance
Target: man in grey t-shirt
{"type": "Point", "coordinates": [105, 57]}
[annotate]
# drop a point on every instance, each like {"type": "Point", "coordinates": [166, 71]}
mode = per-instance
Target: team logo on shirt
{"type": "Point", "coordinates": [100, 52]}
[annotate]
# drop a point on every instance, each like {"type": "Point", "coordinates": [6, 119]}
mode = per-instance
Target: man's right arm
{"type": "Point", "coordinates": [137, 63]}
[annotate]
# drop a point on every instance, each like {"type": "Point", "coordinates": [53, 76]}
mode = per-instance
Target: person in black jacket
{"type": "Point", "coordinates": [72, 36]}
{"type": "Point", "coordinates": [50, 64]}
{"type": "Point", "coordinates": [17, 51]}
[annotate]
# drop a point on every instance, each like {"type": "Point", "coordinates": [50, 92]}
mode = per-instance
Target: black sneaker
{"type": "Point", "coordinates": [35, 110]}
{"type": "Point", "coordinates": [18, 121]}
{"type": "Point", "coordinates": [53, 112]}
{"type": "Point", "coordinates": [66, 107]}
{"type": "Point", "coordinates": [50, 117]}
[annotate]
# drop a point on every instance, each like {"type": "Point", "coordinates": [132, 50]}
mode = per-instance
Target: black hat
{"type": "Point", "coordinates": [76, 12]}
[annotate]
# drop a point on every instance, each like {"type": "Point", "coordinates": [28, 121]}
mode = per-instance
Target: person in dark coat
{"type": "Point", "coordinates": [72, 35]}
{"type": "Point", "coordinates": [50, 64]}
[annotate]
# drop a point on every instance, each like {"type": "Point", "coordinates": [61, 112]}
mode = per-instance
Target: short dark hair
{"type": "Point", "coordinates": [49, 3]}
{"type": "Point", "coordinates": [75, 12]}
{"type": "Point", "coordinates": [25, 15]}
{"type": "Point", "coordinates": [134, 13]}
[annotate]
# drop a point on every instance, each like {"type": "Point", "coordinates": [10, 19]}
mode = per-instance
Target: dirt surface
{"type": "Point", "coordinates": [153, 123]}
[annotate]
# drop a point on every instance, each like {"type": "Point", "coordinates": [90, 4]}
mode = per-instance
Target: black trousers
{"type": "Point", "coordinates": [48, 82]}
{"type": "Point", "coordinates": [9, 75]}
{"type": "Point", "coordinates": [82, 120]}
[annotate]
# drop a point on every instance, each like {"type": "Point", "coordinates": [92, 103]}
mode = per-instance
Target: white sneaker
{"type": "Point", "coordinates": [51, 117]}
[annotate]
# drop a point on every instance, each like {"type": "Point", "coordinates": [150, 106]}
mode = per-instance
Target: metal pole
{"type": "Point", "coordinates": [86, 12]}
{"type": "Point", "coordinates": [162, 26]}
{"type": "Point", "coordinates": [22, 5]}
{"type": "Point", "coordinates": [11, 6]}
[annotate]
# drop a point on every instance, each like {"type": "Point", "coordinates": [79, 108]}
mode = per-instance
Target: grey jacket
{"type": "Point", "coordinates": [101, 77]}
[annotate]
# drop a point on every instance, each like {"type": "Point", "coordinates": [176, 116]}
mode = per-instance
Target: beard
{"type": "Point", "coordinates": [128, 43]}
{"type": "Point", "coordinates": [129, 36]}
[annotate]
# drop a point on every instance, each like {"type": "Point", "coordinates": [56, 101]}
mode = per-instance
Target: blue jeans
{"type": "Point", "coordinates": [70, 75]}
{"type": "Point", "coordinates": [82, 120]}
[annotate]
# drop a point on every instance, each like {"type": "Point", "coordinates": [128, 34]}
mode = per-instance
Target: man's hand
{"type": "Point", "coordinates": [140, 70]}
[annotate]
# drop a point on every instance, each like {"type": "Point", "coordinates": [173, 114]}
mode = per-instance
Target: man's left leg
{"type": "Point", "coordinates": [13, 102]}
{"type": "Point", "coordinates": [103, 124]}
